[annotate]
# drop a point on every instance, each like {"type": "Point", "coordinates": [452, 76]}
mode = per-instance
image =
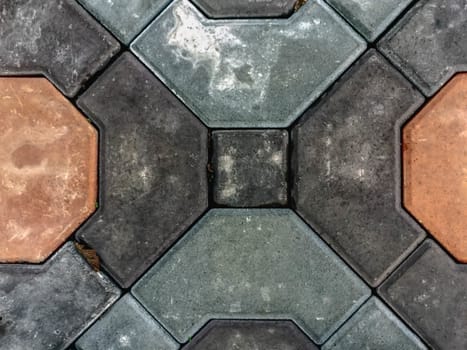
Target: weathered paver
{"type": "Point", "coordinates": [246, 8]}
{"type": "Point", "coordinates": [429, 43]}
{"type": "Point", "coordinates": [126, 326]}
{"type": "Point", "coordinates": [374, 326]}
{"type": "Point", "coordinates": [55, 38]}
{"type": "Point", "coordinates": [251, 264]}
{"type": "Point", "coordinates": [257, 335]}
{"type": "Point", "coordinates": [346, 167]}
{"type": "Point", "coordinates": [48, 306]}
{"type": "Point", "coordinates": [250, 167]}
{"type": "Point", "coordinates": [154, 169]}
{"type": "Point", "coordinates": [435, 167]}
{"type": "Point", "coordinates": [48, 169]}
{"type": "Point", "coordinates": [260, 73]}
{"type": "Point", "coordinates": [430, 292]}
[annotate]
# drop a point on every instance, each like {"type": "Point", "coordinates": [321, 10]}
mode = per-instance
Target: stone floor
{"type": "Point", "coordinates": [233, 174]}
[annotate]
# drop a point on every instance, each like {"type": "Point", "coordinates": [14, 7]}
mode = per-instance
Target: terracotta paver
{"type": "Point", "coordinates": [435, 167]}
{"type": "Point", "coordinates": [48, 169]}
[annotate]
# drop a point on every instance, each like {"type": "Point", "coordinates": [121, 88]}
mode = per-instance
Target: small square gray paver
{"type": "Point", "coordinates": [246, 8]}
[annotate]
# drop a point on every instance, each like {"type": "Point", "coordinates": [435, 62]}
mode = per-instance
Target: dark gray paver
{"type": "Point", "coordinates": [429, 291]}
{"type": "Point", "coordinates": [47, 306]}
{"type": "Point", "coordinates": [244, 335]}
{"type": "Point", "coordinates": [250, 167]}
{"type": "Point", "coordinates": [251, 264]}
{"type": "Point", "coordinates": [374, 326]}
{"type": "Point", "coordinates": [126, 326]}
{"type": "Point", "coordinates": [246, 8]}
{"type": "Point", "coordinates": [347, 167]}
{"type": "Point", "coordinates": [153, 168]}
{"type": "Point", "coordinates": [257, 73]}
{"type": "Point", "coordinates": [429, 44]}
{"type": "Point", "coordinates": [55, 38]}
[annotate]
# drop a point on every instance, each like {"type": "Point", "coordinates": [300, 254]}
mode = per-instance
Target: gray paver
{"type": "Point", "coordinates": [246, 8]}
{"type": "Point", "coordinates": [47, 306]}
{"type": "Point", "coordinates": [347, 167]}
{"type": "Point", "coordinates": [251, 264]}
{"type": "Point", "coordinates": [256, 73]}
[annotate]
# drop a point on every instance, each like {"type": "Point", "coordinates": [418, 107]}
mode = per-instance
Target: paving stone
{"type": "Point", "coordinates": [251, 264]}
{"type": "Point", "coordinates": [48, 169]}
{"type": "Point", "coordinates": [435, 158]}
{"type": "Point", "coordinates": [374, 326]}
{"type": "Point", "coordinates": [258, 73]}
{"type": "Point", "coordinates": [258, 335]}
{"type": "Point", "coordinates": [56, 38]}
{"type": "Point", "coordinates": [126, 326]}
{"type": "Point", "coordinates": [47, 306]}
{"type": "Point", "coordinates": [250, 167]}
{"type": "Point", "coordinates": [154, 169]}
{"type": "Point", "coordinates": [429, 43]}
{"type": "Point", "coordinates": [429, 291]}
{"type": "Point", "coordinates": [346, 168]}
{"type": "Point", "coordinates": [246, 8]}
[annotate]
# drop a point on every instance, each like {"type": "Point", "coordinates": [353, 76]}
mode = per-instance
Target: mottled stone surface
{"type": "Point", "coordinates": [153, 170]}
{"type": "Point", "coordinates": [56, 38]}
{"type": "Point", "coordinates": [251, 264]}
{"type": "Point", "coordinates": [48, 169]}
{"type": "Point", "coordinates": [346, 166]}
{"type": "Point", "coordinates": [429, 44]}
{"type": "Point", "coordinates": [374, 326]}
{"type": "Point", "coordinates": [257, 335]}
{"type": "Point", "coordinates": [48, 306]}
{"type": "Point", "coordinates": [261, 73]}
{"type": "Point", "coordinates": [126, 326]}
{"type": "Point", "coordinates": [246, 8]}
{"type": "Point", "coordinates": [250, 167]}
{"type": "Point", "coordinates": [430, 292]}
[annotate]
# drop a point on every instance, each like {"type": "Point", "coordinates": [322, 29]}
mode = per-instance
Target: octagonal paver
{"type": "Point", "coordinates": [48, 169]}
{"type": "Point", "coordinates": [260, 73]}
{"type": "Point", "coordinates": [246, 8]}
{"type": "Point", "coordinates": [435, 167]}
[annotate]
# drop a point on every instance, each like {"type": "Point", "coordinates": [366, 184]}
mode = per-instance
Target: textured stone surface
{"type": "Point", "coordinates": [126, 326]}
{"type": "Point", "coordinates": [430, 292]}
{"type": "Point", "coordinates": [48, 169]}
{"type": "Point", "coordinates": [257, 335]}
{"type": "Point", "coordinates": [56, 38]}
{"type": "Point", "coordinates": [374, 326]}
{"type": "Point", "coordinates": [346, 166]}
{"type": "Point", "coordinates": [154, 177]}
{"type": "Point", "coordinates": [429, 44]}
{"type": "Point", "coordinates": [48, 306]}
{"type": "Point", "coordinates": [246, 8]}
{"type": "Point", "coordinates": [261, 73]}
{"type": "Point", "coordinates": [250, 167]}
{"type": "Point", "coordinates": [256, 263]}
{"type": "Point", "coordinates": [435, 167]}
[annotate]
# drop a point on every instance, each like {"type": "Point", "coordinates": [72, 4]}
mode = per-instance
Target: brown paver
{"type": "Point", "coordinates": [435, 167]}
{"type": "Point", "coordinates": [48, 169]}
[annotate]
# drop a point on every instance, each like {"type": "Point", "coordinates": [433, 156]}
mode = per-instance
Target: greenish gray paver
{"type": "Point", "coordinates": [246, 8]}
{"type": "Point", "coordinates": [251, 264]}
{"type": "Point", "coordinates": [127, 325]}
{"type": "Point", "coordinates": [47, 306]}
{"type": "Point", "coordinates": [374, 326]}
{"type": "Point", "coordinates": [256, 73]}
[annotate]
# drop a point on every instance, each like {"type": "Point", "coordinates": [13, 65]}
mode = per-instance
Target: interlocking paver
{"type": "Point", "coordinates": [260, 73]}
{"type": "Point", "coordinates": [251, 263]}
{"type": "Point", "coordinates": [374, 326]}
{"type": "Point", "coordinates": [430, 292]}
{"type": "Point", "coordinates": [246, 8]}
{"type": "Point", "coordinates": [346, 166]}
{"type": "Point", "coordinates": [435, 167]}
{"type": "Point", "coordinates": [429, 43]}
{"type": "Point", "coordinates": [154, 168]}
{"type": "Point", "coordinates": [56, 38]}
{"type": "Point", "coordinates": [48, 169]}
{"type": "Point", "coordinates": [257, 335]}
{"type": "Point", "coordinates": [250, 167]}
{"type": "Point", "coordinates": [126, 326]}
{"type": "Point", "coordinates": [48, 306]}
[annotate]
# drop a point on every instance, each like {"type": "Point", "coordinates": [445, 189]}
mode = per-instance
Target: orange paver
{"type": "Point", "coordinates": [435, 167]}
{"type": "Point", "coordinates": [48, 169]}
